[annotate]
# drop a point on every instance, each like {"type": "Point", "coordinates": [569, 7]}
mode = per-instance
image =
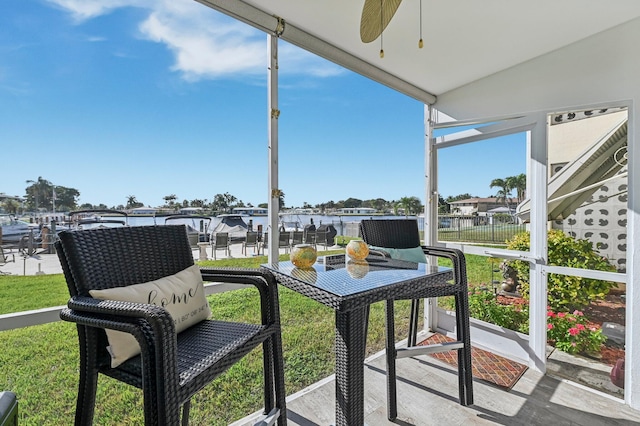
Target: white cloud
{"type": "Point", "coordinates": [205, 44]}
{"type": "Point", "coordinates": [82, 10]}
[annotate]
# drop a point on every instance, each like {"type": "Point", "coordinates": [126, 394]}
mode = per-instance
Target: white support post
{"type": "Point", "coordinates": [431, 183]}
{"type": "Point", "coordinates": [430, 206]}
{"type": "Point", "coordinates": [632, 338]}
{"type": "Point", "coordinates": [274, 113]}
{"type": "Point", "coordinates": [537, 185]}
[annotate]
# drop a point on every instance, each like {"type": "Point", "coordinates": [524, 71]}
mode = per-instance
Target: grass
{"type": "Point", "coordinates": [39, 363]}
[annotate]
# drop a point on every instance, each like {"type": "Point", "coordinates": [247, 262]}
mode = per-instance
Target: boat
{"type": "Point", "coordinates": [197, 226]}
{"type": "Point", "coordinates": [13, 229]}
{"type": "Point", "coordinates": [97, 218]}
{"type": "Point", "coordinates": [234, 225]}
{"type": "Point", "coordinates": [292, 222]}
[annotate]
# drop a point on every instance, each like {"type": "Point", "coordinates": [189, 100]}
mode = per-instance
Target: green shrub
{"type": "Point", "coordinates": [485, 306]}
{"type": "Point", "coordinates": [565, 293]}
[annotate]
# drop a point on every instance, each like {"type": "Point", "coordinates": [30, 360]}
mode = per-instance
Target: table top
{"type": "Point", "coordinates": [343, 284]}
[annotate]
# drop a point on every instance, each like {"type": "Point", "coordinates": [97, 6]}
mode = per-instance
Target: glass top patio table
{"type": "Point", "coordinates": [350, 288]}
{"type": "Point", "coordinates": [344, 284]}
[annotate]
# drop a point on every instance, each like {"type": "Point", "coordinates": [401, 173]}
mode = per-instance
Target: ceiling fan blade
{"type": "Point", "coordinates": [376, 15]}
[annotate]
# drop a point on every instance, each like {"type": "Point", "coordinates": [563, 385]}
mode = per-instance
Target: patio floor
{"type": "Point", "coordinates": [428, 395]}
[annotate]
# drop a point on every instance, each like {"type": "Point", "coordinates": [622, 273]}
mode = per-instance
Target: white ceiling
{"type": "Point", "coordinates": [465, 40]}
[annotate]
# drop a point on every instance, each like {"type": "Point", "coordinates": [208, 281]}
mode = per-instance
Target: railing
{"type": "Point", "coordinates": [478, 229]}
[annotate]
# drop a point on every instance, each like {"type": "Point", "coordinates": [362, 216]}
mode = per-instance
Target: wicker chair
{"type": "Point", "coordinates": [404, 234]}
{"type": "Point", "coordinates": [169, 370]}
{"type": "Point", "coordinates": [322, 239]}
{"type": "Point", "coordinates": [220, 241]}
{"type": "Point", "coordinates": [251, 240]}
{"type": "Point", "coordinates": [6, 258]}
{"type": "Point", "coordinates": [297, 237]}
{"type": "Point", "coordinates": [284, 239]}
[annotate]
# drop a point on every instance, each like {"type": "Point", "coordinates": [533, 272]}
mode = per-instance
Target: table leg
{"type": "Point", "coordinates": [351, 340]}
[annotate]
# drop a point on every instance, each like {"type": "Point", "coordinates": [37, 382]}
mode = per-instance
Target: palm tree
{"type": "Point", "coordinates": [505, 190]}
{"type": "Point", "coordinates": [41, 191]}
{"type": "Point", "coordinates": [132, 201]}
{"type": "Point", "coordinates": [170, 200]}
{"type": "Point", "coordinates": [410, 205]}
{"type": "Point", "coordinates": [519, 183]}
{"type": "Point", "coordinates": [415, 205]}
{"type": "Point", "coordinates": [11, 206]}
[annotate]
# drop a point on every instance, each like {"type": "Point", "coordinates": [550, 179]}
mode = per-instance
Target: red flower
{"type": "Point", "coordinates": [561, 314]}
{"type": "Point", "coordinates": [574, 331]}
{"type": "Point", "coordinates": [550, 314]}
{"type": "Point", "coordinates": [550, 326]}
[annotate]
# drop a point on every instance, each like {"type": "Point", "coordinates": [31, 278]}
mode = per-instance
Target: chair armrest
{"type": "Point", "coordinates": [117, 311]}
{"type": "Point", "coordinates": [380, 253]}
{"type": "Point", "coordinates": [151, 325]}
{"type": "Point", "coordinates": [457, 259]}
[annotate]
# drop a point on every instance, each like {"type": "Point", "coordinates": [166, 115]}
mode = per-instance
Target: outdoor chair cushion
{"type": "Point", "coordinates": [181, 294]}
{"type": "Point", "coordinates": [414, 254]}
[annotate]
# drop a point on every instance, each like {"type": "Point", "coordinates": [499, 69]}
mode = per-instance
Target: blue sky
{"type": "Point", "coordinates": [151, 98]}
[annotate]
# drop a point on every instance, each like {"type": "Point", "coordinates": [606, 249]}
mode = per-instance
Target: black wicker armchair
{"type": "Point", "coordinates": [170, 367]}
{"type": "Point", "coordinates": [404, 234]}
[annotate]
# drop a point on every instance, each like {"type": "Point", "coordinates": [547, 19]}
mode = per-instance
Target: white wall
{"type": "Point", "coordinates": [596, 71]}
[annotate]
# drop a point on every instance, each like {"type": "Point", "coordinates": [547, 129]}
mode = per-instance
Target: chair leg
{"type": "Point", "coordinates": [465, 374]}
{"type": "Point", "coordinates": [88, 380]}
{"type": "Point", "coordinates": [274, 390]}
{"type": "Point", "coordinates": [278, 371]}
{"type": "Point", "coordinates": [268, 368]}
{"type": "Point", "coordinates": [185, 413]}
{"type": "Point", "coordinates": [413, 323]}
{"type": "Point", "coordinates": [85, 404]}
{"type": "Point", "coordinates": [392, 398]}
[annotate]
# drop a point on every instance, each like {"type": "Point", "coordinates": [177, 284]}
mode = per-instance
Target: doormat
{"type": "Point", "coordinates": [486, 366]}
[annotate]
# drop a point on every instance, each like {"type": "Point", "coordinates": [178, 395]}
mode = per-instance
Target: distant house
{"type": "Point", "coordinates": [143, 210]}
{"type": "Point", "coordinates": [357, 210]}
{"type": "Point", "coordinates": [478, 206]}
{"type": "Point", "coordinates": [251, 211]}
{"type": "Point", "coordinates": [191, 210]}
{"type": "Point", "coordinates": [4, 197]}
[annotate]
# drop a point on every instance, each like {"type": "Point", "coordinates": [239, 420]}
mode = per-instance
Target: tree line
{"type": "Point", "coordinates": [42, 195]}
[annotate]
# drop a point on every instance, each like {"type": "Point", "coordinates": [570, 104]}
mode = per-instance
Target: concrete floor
{"type": "Point", "coordinates": [428, 395]}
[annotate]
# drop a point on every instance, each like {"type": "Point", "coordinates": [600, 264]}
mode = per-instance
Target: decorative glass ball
{"type": "Point", "coordinates": [303, 255]}
{"type": "Point", "coordinates": [357, 250]}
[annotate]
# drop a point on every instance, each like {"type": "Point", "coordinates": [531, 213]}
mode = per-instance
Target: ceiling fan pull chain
{"type": "Point", "coordinates": [420, 42]}
{"type": "Point", "coordinates": [381, 28]}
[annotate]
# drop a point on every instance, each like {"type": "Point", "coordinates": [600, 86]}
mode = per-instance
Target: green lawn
{"type": "Point", "coordinates": [39, 363]}
{"type": "Point", "coordinates": [493, 234]}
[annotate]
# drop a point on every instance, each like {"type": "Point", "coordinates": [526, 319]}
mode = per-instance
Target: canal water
{"type": "Point", "coordinates": [345, 225]}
